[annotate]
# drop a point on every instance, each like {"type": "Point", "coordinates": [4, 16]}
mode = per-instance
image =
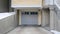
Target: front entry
{"type": "Point", "coordinates": [29, 18]}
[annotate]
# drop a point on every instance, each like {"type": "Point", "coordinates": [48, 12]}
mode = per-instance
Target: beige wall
{"type": "Point", "coordinates": [26, 2]}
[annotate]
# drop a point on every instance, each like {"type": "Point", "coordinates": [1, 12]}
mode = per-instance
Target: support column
{"type": "Point", "coordinates": [39, 17]}
{"type": "Point", "coordinates": [16, 17]}
{"type": "Point", "coordinates": [52, 18]}
{"type": "Point", "coordinates": [43, 18]}
{"type": "Point", "coordinates": [19, 17]}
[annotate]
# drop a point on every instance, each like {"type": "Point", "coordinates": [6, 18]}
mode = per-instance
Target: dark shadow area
{"type": "Point", "coordinates": [4, 5]}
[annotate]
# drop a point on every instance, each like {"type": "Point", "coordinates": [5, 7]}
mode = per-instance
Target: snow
{"type": "Point", "coordinates": [4, 15]}
{"type": "Point", "coordinates": [55, 32]}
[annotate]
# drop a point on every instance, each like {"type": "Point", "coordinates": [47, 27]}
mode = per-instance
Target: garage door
{"type": "Point", "coordinates": [29, 18]}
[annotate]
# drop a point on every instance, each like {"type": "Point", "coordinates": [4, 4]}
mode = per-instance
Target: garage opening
{"type": "Point", "coordinates": [29, 18]}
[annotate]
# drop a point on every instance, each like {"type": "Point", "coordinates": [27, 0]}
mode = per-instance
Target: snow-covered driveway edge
{"type": "Point", "coordinates": [55, 32]}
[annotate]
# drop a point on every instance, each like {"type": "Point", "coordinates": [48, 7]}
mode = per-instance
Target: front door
{"type": "Point", "coordinates": [29, 18]}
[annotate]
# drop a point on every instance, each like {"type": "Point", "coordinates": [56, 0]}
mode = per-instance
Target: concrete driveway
{"type": "Point", "coordinates": [29, 30]}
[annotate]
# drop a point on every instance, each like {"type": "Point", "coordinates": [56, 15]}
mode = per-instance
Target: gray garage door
{"type": "Point", "coordinates": [29, 18]}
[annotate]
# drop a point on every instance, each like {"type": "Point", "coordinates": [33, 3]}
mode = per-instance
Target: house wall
{"type": "Point", "coordinates": [45, 18]}
{"type": "Point", "coordinates": [8, 23]}
{"type": "Point", "coordinates": [26, 3]}
{"type": "Point", "coordinates": [4, 5]}
{"type": "Point", "coordinates": [57, 3]}
{"type": "Point", "coordinates": [57, 24]}
{"type": "Point", "coordinates": [48, 2]}
{"type": "Point", "coordinates": [54, 23]}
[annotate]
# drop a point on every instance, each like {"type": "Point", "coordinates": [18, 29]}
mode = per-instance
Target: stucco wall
{"type": "Point", "coordinates": [48, 2]}
{"type": "Point", "coordinates": [55, 19]}
{"type": "Point", "coordinates": [26, 3]}
{"type": "Point", "coordinates": [57, 27]}
{"type": "Point", "coordinates": [8, 24]}
{"type": "Point", "coordinates": [57, 3]}
{"type": "Point", "coordinates": [45, 18]}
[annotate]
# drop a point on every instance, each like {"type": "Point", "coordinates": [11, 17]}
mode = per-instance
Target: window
{"type": "Point", "coordinates": [33, 13]}
{"type": "Point", "coordinates": [25, 13]}
{"type": "Point", "coordinates": [29, 13]}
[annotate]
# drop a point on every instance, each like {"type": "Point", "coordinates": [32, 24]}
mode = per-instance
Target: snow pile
{"type": "Point", "coordinates": [55, 32]}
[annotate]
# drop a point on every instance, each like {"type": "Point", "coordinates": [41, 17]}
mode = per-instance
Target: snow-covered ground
{"type": "Point", "coordinates": [4, 15]}
{"type": "Point", "coordinates": [55, 32]}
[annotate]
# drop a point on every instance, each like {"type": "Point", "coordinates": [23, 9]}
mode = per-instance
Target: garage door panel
{"type": "Point", "coordinates": [29, 19]}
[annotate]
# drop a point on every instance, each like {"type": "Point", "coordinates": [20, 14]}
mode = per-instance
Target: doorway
{"type": "Point", "coordinates": [29, 18]}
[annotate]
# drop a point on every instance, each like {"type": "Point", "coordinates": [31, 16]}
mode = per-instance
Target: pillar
{"type": "Point", "coordinates": [39, 17]}
{"type": "Point", "coordinates": [52, 18]}
{"type": "Point", "coordinates": [19, 17]}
